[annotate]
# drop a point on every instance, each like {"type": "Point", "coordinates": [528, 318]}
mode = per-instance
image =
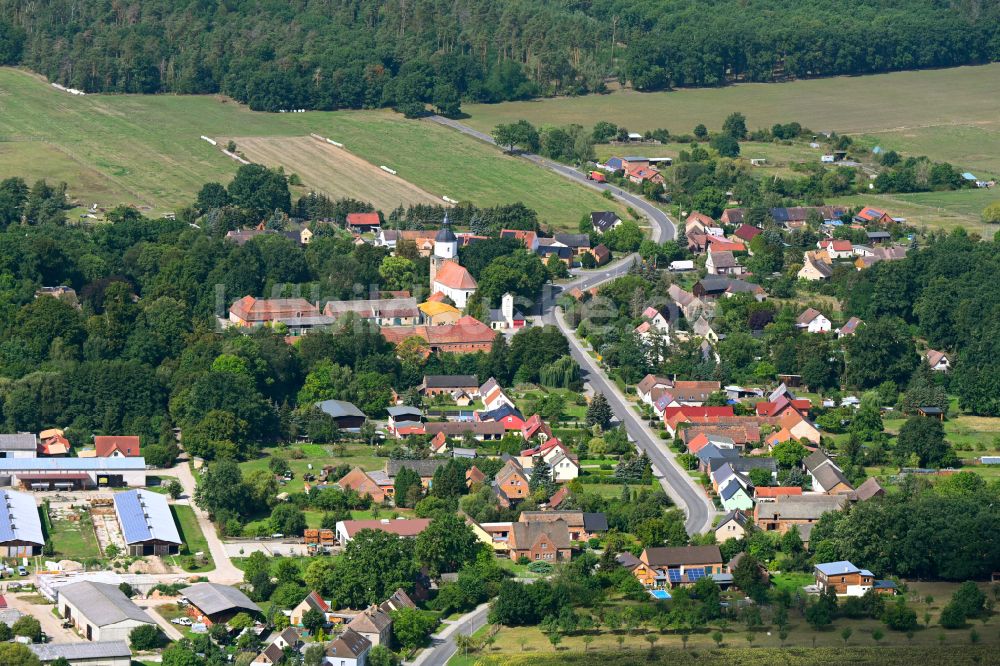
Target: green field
{"type": "Point", "coordinates": [950, 114]}
{"type": "Point", "coordinates": [316, 455]}
{"type": "Point", "coordinates": [147, 150]}
{"type": "Point", "coordinates": [192, 536]}
{"type": "Point", "coordinates": [75, 539]}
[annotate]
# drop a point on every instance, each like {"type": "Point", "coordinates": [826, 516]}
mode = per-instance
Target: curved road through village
{"type": "Point", "coordinates": [663, 227]}
{"type": "Point", "coordinates": [680, 487]}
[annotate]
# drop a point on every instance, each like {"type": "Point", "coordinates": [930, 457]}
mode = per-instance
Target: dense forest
{"type": "Point", "coordinates": [328, 55]}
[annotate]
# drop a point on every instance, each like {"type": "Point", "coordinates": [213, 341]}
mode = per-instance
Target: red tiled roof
{"type": "Point", "coordinates": [723, 245]}
{"type": "Point", "coordinates": [455, 276]}
{"type": "Point", "coordinates": [253, 309]}
{"type": "Point", "coordinates": [106, 445]}
{"type": "Point", "coordinates": [402, 527]}
{"type": "Point", "coordinates": [747, 232]}
{"type": "Point", "coordinates": [776, 491]}
{"type": "Point", "coordinates": [467, 330]}
{"type": "Point", "coordinates": [363, 220]}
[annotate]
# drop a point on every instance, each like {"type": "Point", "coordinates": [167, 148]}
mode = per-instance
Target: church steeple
{"type": "Point", "coordinates": [445, 242]}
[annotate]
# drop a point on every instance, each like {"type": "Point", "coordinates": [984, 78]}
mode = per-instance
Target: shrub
{"type": "Point", "coordinates": [147, 637]}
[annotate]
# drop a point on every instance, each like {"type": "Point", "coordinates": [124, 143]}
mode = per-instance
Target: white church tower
{"type": "Point", "coordinates": [445, 243]}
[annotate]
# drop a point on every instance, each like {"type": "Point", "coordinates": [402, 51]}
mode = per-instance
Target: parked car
{"type": "Point", "coordinates": [21, 571]}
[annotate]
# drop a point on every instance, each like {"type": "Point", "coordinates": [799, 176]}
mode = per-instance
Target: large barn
{"type": "Point", "coordinates": [20, 525]}
{"type": "Point", "coordinates": [147, 523]}
{"type": "Point", "coordinates": [72, 473]}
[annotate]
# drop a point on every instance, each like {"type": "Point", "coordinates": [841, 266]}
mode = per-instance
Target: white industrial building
{"type": "Point", "coordinates": [147, 523]}
{"type": "Point", "coordinates": [101, 653]}
{"type": "Point", "coordinates": [72, 473]}
{"type": "Point", "coordinates": [20, 445]}
{"type": "Point", "coordinates": [101, 612]}
{"type": "Point", "coordinates": [20, 525]}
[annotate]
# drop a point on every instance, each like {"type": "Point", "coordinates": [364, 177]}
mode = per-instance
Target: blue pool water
{"type": "Point", "coordinates": [659, 594]}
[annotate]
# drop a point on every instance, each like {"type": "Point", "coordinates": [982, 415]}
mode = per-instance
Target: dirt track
{"type": "Point", "coordinates": [333, 171]}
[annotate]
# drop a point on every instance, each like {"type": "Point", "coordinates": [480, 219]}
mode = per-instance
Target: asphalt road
{"type": "Point", "coordinates": [663, 228]}
{"type": "Point", "coordinates": [443, 644]}
{"type": "Point", "coordinates": [680, 487]}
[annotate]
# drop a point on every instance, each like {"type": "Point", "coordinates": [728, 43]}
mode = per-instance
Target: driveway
{"type": "Point", "coordinates": [225, 572]}
{"type": "Point", "coordinates": [663, 228]}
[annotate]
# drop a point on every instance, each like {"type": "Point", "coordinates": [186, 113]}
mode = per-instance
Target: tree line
{"type": "Point", "coordinates": [370, 54]}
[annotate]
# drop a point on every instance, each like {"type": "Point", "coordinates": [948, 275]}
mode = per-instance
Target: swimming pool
{"type": "Point", "coordinates": [659, 594]}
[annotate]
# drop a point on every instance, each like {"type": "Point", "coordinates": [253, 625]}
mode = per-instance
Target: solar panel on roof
{"type": "Point", "coordinates": [133, 517]}
{"type": "Point", "coordinates": [695, 574]}
{"type": "Point", "coordinates": [674, 575]}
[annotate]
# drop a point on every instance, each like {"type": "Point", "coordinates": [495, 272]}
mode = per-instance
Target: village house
{"type": "Point", "coordinates": [723, 263]}
{"type": "Point", "coordinates": [404, 527]}
{"type": "Point", "coordinates": [893, 253]}
{"type": "Point", "coordinates": [849, 328]}
{"type": "Point", "coordinates": [312, 601]}
{"type": "Point", "coordinates": [116, 446]}
{"type": "Point", "coordinates": [601, 254]}
{"type": "Point", "coordinates": [438, 313]}
{"type": "Point", "coordinates": [813, 321]}
{"type": "Point", "coordinates": [671, 566]}
{"type": "Point", "coordinates": [769, 493]}
{"type": "Point", "coordinates": [298, 315]}
{"type": "Point", "coordinates": [813, 268]}
{"type": "Point", "coordinates": [359, 481]}
{"type": "Point", "coordinates": [845, 579]}
{"type": "Point", "coordinates": [509, 416]}
{"type": "Point", "coordinates": [424, 468]}
{"type": "Point", "coordinates": [801, 512]}
{"type": "Point", "coordinates": [374, 624]}
{"type": "Point", "coordinates": [546, 541]}
{"type": "Point", "coordinates": [348, 649]}
{"type": "Point", "coordinates": [423, 239]}
{"type": "Point", "coordinates": [733, 525]}
{"type": "Point", "coordinates": [481, 431]}
{"type": "Point", "coordinates": [511, 483]}
{"type": "Point", "coordinates": [938, 360]}
{"type": "Point", "coordinates": [604, 220]}
{"type": "Point", "coordinates": [836, 248]}
{"type": "Point", "coordinates": [734, 489]}
{"type": "Point", "coordinates": [747, 233]}
{"type": "Point", "coordinates": [346, 414]}
{"type": "Point", "coordinates": [869, 215]}
{"type": "Point", "coordinates": [381, 311]}
{"type": "Point", "coordinates": [582, 526]}
{"type": "Point", "coordinates": [825, 475]}
{"type": "Point", "coordinates": [718, 286]}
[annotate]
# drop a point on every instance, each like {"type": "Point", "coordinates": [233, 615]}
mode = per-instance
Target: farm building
{"type": "Point", "coordinates": [20, 445]}
{"type": "Point", "coordinates": [147, 524]}
{"type": "Point", "coordinates": [212, 603]}
{"type": "Point", "coordinates": [20, 527]}
{"type": "Point", "coordinates": [100, 611]}
{"type": "Point", "coordinates": [98, 653]}
{"type": "Point", "coordinates": [348, 529]}
{"type": "Point", "coordinates": [346, 414]}
{"type": "Point", "coordinates": [72, 473]}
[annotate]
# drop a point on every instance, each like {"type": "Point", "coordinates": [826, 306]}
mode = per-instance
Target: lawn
{"type": "Point", "coordinates": [944, 210]}
{"type": "Point", "coordinates": [74, 539]}
{"type": "Point", "coordinates": [316, 455]}
{"type": "Point", "coordinates": [146, 150]}
{"type": "Point", "coordinates": [193, 538]}
{"type": "Point", "coordinates": [572, 412]}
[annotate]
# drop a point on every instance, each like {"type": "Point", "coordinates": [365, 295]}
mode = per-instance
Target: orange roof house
{"type": "Point", "coordinates": [770, 492]}
{"type": "Point", "coordinates": [358, 481]}
{"type": "Point", "coordinates": [250, 311]}
{"type": "Point", "coordinates": [117, 446]}
{"type": "Point", "coordinates": [474, 476]}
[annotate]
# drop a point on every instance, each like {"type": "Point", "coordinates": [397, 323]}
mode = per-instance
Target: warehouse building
{"type": "Point", "coordinates": [20, 526]}
{"type": "Point", "coordinates": [19, 445]}
{"type": "Point", "coordinates": [212, 603]}
{"type": "Point", "coordinates": [101, 612]}
{"type": "Point", "coordinates": [147, 523]}
{"type": "Point", "coordinates": [72, 473]}
{"type": "Point", "coordinates": [102, 653]}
